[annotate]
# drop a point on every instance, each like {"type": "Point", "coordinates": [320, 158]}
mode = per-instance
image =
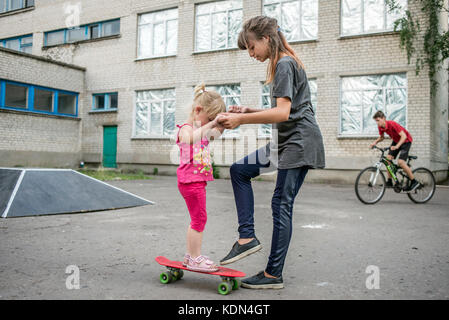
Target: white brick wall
{"type": "Point", "coordinates": [39, 140]}
{"type": "Point", "coordinates": [111, 66]}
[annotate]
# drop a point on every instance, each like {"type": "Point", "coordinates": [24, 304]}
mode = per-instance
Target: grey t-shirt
{"type": "Point", "coordinates": [296, 142]}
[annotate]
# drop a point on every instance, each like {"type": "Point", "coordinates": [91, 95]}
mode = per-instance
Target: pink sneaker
{"type": "Point", "coordinates": [201, 263]}
{"type": "Point", "coordinates": [186, 260]}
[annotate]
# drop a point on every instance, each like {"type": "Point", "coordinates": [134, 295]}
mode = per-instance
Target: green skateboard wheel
{"type": "Point", "coordinates": [177, 274]}
{"type": "Point", "coordinates": [224, 288]}
{"type": "Point", "coordinates": [165, 277]}
{"type": "Point", "coordinates": [235, 284]}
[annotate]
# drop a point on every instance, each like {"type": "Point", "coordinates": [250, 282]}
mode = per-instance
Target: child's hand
{"type": "Point", "coordinates": [219, 119]}
{"type": "Point", "coordinates": [229, 120]}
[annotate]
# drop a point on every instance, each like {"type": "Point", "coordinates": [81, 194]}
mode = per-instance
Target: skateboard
{"type": "Point", "coordinates": [175, 272]}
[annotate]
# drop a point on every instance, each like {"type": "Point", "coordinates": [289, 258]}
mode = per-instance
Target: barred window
{"type": "Point", "coordinates": [155, 113]}
{"type": "Point", "coordinates": [369, 16]}
{"type": "Point", "coordinates": [217, 25]}
{"type": "Point", "coordinates": [362, 96]}
{"type": "Point", "coordinates": [158, 34]}
{"type": "Point", "coordinates": [297, 19]}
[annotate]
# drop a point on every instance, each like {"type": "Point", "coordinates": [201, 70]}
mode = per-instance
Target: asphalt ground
{"type": "Point", "coordinates": [340, 249]}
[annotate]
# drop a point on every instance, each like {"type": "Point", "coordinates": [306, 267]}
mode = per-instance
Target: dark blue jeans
{"type": "Point", "coordinates": [288, 183]}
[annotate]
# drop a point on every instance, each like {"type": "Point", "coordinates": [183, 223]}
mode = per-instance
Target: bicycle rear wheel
{"type": "Point", "coordinates": [370, 185]}
{"type": "Point", "coordinates": [426, 188]}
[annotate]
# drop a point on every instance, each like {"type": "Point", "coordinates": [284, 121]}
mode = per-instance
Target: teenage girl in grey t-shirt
{"type": "Point", "coordinates": [296, 146]}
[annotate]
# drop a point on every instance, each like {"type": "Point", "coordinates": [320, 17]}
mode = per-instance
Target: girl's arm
{"type": "Point", "coordinates": [216, 132]}
{"type": "Point", "coordinates": [241, 109]}
{"type": "Point", "coordinates": [273, 115]}
{"type": "Point", "coordinates": [191, 136]}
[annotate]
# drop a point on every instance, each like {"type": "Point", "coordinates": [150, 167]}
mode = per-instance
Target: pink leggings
{"type": "Point", "coordinates": [194, 195]}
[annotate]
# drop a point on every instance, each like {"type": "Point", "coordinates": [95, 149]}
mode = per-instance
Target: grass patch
{"type": "Point", "coordinates": [105, 175]}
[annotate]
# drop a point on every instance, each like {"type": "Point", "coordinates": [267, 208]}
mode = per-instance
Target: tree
{"type": "Point", "coordinates": [436, 42]}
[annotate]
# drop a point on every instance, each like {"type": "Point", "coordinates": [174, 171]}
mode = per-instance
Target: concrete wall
{"type": "Point", "coordinates": [39, 140]}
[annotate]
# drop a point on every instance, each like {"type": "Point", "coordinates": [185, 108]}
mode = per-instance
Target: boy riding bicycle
{"type": "Point", "coordinates": [402, 141]}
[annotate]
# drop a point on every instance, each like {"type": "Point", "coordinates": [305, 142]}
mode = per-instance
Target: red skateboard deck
{"type": "Point", "coordinates": [175, 273]}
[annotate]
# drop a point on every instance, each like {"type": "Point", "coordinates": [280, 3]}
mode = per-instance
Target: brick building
{"type": "Point", "coordinates": [105, 82]}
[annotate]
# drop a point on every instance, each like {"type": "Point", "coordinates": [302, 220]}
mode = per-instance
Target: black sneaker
{"type": "Point", "coordinates": [239, 251]}
{"type": "Point", "coordinates": [412, 187]}
{"type": "Point", "coordinates": [389, 183]}
{"type": "Point", "coordinates": [259, 281]}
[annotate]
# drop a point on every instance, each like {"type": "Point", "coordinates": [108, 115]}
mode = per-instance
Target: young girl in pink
{"type": "Point", "coordinates": [195, 169]}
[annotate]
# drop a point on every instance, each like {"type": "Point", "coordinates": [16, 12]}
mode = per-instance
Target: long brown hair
{"type": "Point", "coordinates": [257, 28]}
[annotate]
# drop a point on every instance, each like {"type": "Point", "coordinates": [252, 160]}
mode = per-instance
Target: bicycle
{"type": "Point", "coordinates": [370, 184]}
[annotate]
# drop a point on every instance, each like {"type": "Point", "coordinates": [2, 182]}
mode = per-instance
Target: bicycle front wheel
{"type": "Point", "coordinates": [370, 185]}
{"type": "Point", "coordinates": [426, 188]}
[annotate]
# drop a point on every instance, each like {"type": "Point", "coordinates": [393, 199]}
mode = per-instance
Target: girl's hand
{"type": "Point", "coordinates": [229, 120]}
{"type": "Point", "coordinates": [238, 109]}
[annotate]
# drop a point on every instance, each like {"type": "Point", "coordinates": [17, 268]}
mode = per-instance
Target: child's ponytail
{"type": "Point", "coordinates": [211, 101]}
{"type": "Point", "coordinates": [199, 90]}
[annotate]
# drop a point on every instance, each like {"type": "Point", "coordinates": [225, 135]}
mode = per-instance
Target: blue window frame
{"type": "Point", "coordinates": [85, 32]}
{"type": "Point", "coordinates": [33, 98]}
{"type": "Point", "coordinates": [22, 43]}
{"type": "Point", "coordinates": [12, 5]}
{"type": "Point", "coordinates": [105, 101]}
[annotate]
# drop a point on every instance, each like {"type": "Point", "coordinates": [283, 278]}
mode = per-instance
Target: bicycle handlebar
{"type": "Point", "coordinates": [381, 149]}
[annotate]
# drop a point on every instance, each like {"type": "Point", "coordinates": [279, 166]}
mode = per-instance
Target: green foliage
{"type": "Point", "coordinates": [435, 46]}
{"type": "Point", "coordinates": [106, 175]}
{"type": "Point", "coordinates": [216, 171]}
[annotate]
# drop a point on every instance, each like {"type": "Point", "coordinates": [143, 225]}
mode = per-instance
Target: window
{"type": "Point", "coordinates": [110, 28]}
{"type": "Point", "coordinates": [105, 101]}
{"type": "Point", "coordinates": [231, 96]}
{"type": "Point", "coordinates": [43, 100]}
{"type": "Point", "coordinates": [31, 98]}
{"type": "Point", "coordinates": [55, 37]}
{"type": "Point", "coordinates": [158, 34]}
{"type": "Point", "coordinates": [84, 32]}
{"type": "Point", "coordinates": [11, 5]}
{"type": "Point", "coordinates": [16, 96]}
{"type": "Point", "coordinates": [155, 113]}
{"type": "Point", "coordinates": [298, 19]}
{"type": "Point", "coordinates": [23, 43]}
{"type": "Point", "coordinates": [15, 4]}
{"type": "Point", "coordinates": [67, 104]}
{"type": "Point", "coordinates": [362, 96]}
{"type": "Point", "coordinates": [265, 128]}
{"type": "Point", "coordinates": [217, 25]}
{"type": "Point", "coordinates": [369, 16]}
{"type": "Point", "coordinates": [76, 34]}
{"type": "Point", "coordinates": [94, 31]}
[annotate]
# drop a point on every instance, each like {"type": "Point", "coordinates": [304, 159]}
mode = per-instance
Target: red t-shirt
{"type": "Point", "coordinates": [393, 128]}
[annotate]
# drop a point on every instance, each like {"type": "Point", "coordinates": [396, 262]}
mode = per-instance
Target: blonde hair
{"type": "Point", "coordinates": [260, 26]}
{"type": "Point", "coordinates": [211, 101]}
